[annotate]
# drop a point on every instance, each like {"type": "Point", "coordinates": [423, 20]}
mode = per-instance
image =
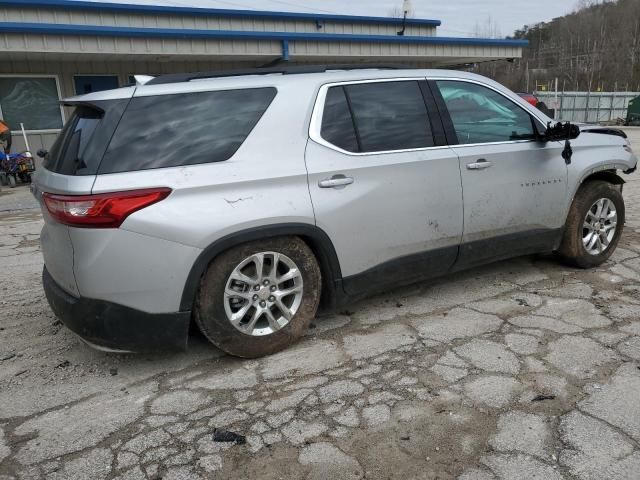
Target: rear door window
{"type": "Point", "coordinates": [390, 116]}
{"type": "Point", "coordinates": [337, 123]}
{"type": "Point", "coordinates": [377, 117]}
{"type": "Point", "coordinates": [184, 129]}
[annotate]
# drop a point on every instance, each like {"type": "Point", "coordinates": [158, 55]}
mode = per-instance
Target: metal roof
{"type": "Point", "coordinates": [108, 31]}
{"type": "Point", "coordinates": [162, 9]}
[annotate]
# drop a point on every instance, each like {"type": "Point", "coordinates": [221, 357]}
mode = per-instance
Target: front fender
{"type": "Point", "coordinates": [598, 156]}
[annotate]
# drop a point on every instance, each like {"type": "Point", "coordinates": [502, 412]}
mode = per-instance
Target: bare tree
{"type": "Point", "coordinates": [596, 46]}
{"type": "Point", "coordinates": [488, 29]}
{"type": "Point", "coordinates": [399, 10]}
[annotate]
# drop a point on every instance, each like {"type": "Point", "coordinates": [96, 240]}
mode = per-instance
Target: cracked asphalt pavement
{"type": "Point", "coordinates": [525, 369]}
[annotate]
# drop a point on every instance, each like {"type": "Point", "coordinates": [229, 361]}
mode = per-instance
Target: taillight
{"type": "Point", "coordinates": [103, 210]}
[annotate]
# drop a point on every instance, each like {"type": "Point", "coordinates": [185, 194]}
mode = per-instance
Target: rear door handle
{"type": "Point", "coordinates": [479, 165]}
{"type": "Point", "coordinates": [336, 181]}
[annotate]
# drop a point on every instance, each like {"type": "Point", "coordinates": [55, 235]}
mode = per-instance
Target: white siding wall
{"type": "Point", "coordinates": [246, 49]}
{"type": "Point", "coordinates": [200, 22]}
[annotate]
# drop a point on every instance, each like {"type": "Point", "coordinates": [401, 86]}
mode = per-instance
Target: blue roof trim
{"type": "Point", "coordinates": [66, 29]}
{"type": "Point", "coordinates": [161, 9]}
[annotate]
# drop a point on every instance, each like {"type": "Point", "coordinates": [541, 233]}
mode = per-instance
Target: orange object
{"type": "Point", "coordinates": [4, 127]}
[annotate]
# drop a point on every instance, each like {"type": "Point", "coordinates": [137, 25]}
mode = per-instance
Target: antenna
{"type": "Point", "coordinates": [406, 8]}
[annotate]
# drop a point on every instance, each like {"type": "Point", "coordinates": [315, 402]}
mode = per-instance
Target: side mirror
{"type": "Point", "coordinates": [42, 153]}
{"type": "Point", "coordinates": [561, 131]}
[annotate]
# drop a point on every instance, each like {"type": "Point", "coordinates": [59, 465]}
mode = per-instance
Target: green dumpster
{"type": "Point", "coordinates": [633, 115]}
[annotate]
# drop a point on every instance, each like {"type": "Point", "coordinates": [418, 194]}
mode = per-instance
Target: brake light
{"type": "Point", "coordinates": [103, 210]}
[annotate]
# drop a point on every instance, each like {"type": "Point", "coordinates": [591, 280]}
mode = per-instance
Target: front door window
{"type": "Point", "coordinates": [481, 115]}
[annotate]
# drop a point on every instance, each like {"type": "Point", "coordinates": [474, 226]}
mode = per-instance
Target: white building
{"type": "Point", "coordinates": [52, 49]}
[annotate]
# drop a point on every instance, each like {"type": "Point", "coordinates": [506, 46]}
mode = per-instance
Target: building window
{"type": "Point", "coordinates": [94, 83]}
{"type": "Point", "coordinates": [33, 101]}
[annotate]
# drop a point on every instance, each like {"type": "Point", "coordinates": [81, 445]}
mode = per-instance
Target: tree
{"type": "Point", "coordinates": [398, 11]}
{"type": "Point", "coordinates": [596, 46]}
{"type": "Point", "coordinates": [488, 29]}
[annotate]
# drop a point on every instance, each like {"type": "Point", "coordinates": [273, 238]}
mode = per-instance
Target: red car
{"type": "Point", "coordinates": [529, 97]}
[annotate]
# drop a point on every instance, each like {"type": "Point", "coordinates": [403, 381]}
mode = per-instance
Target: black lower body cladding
{"type": "Point", "coordinates": [116, 327]}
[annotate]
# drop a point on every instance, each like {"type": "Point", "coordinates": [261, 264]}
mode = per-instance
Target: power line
{"type": "Point", "coordinates": [248, 7]}
{"type": "Point", "coordinates": [308, 8]}
{"type": "Point", "coordinates": [187, 3]}
{"type": "Point", "coordinates": [444, 30]}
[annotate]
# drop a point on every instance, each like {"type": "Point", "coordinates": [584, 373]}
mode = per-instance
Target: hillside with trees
{"type": "Point", "coordinates": [597, 47]}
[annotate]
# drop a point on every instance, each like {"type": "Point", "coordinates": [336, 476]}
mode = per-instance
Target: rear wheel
{"type": "Point", "coordinates": [260, 297]}
{"type": "Point", "coordinates": [594, 225]}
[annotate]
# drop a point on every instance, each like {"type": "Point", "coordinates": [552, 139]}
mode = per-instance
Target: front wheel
{"type": "Point", "coordinates": [258, 298]}
{"type": "Point", "coordinates": [594, 225]}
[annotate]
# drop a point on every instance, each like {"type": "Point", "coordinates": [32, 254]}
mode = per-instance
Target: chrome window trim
{"type": "Point", "coordinates": [315, 126]}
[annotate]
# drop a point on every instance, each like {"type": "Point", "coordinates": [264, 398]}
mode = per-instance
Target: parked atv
{"type": "Point", "coordinates": [16, 167]}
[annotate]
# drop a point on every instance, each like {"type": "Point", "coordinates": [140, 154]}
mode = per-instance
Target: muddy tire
{"type": "Point", "coordinates": [594, 225]}
{"type": "Point", "coordinates": [260, 297]}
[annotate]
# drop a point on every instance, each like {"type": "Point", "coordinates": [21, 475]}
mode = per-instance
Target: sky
{"type": "Point", "coordinates": [459, 17]}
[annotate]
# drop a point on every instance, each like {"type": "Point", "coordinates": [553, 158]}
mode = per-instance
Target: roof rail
{"type": "Point", "coordinates": [280, 69]}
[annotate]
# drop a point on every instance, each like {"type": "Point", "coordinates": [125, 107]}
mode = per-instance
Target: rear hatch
{"type": "Point", "coordinates": [70, 168]}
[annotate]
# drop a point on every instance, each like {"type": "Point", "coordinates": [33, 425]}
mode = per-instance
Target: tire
{"type": "Point", "coordinates": [573, 250]}
{"type": "Point", "coordinates": [214, 303]}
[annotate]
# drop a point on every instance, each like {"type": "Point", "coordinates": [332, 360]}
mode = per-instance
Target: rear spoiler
{"type": "Point", "coordinates": [80, 103]}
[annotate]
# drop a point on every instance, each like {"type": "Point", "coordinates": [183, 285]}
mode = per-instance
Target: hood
{"type": "Point", "coordinates": [602, 130]}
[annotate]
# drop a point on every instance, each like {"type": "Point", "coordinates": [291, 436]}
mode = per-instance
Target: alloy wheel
{"type": "Point", "coordinates": [263, 293]}
{"type": "Point", "coordinates": [599, 226]}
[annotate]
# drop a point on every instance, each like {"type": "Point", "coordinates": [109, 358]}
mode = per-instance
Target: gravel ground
{"type": "Point", "coordinates": [524, 369]}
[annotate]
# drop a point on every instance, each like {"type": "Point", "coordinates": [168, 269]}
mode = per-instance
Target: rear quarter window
{"type": "Point", "coordinates": [184, 129]}
{"type": "Point", "coordinates": [81, 144]}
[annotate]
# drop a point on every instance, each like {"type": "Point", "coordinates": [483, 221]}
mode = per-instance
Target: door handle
{"type": "Point", "coordinates": [336, 181]}
{"type": "Point", "coordinates": [479, 165]}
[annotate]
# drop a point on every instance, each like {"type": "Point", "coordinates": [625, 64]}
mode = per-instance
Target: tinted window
{"type": "Point", "coordinates": [480, 115]}
{"type": "Point", "coordinates": [337, 124]}
{"type": "Point", "coordinates": [390, 116]}
{"type": "Point", "coordinates": [67, 154]}
{"type": "Point", "coordinates": [184, 129]}
{"type": "Point", "coordinates": [82, 142]}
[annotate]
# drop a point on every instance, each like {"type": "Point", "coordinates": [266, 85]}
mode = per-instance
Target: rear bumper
{"type": "Point", "coordinates": [109, 326]}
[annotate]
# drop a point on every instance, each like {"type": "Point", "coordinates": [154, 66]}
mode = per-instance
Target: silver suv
{"type": "Point", "coordinates": [246, 201]}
